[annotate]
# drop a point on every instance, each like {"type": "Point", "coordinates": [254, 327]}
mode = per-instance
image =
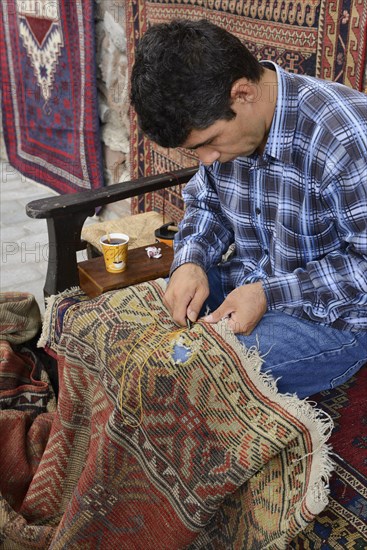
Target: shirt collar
{"type": "Point", "coordinates": [280, 139]}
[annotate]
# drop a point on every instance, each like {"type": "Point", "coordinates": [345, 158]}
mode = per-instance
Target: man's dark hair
{"type": "Point", "coordinates": [182, 78]}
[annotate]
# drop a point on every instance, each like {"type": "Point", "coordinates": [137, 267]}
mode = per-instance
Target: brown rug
{"type": "Point", "coordinates": [159, 433]}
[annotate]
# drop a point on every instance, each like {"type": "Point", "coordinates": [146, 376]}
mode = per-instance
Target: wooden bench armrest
{"type": "Point", "coordinates": [66, 214]}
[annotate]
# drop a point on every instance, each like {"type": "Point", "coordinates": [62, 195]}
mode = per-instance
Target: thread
{"type": "Point", "coordinates": [146, 332]}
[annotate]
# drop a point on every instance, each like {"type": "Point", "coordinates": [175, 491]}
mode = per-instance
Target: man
{"type": "Point", "coordinates": [283, 178]}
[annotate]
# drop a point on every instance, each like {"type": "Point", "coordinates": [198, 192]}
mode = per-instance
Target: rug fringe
{"type": "Point", "coordinates": [316, 497]}
{"type": "Point", "coordinates": [47, 318]}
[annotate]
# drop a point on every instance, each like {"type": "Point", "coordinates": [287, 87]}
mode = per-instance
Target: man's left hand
{"type": "Point", "coordinates": [243, 307]}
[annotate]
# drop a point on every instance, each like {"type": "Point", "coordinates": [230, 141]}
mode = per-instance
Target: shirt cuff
{"type": "Point", "coordinates": [288, 290]}
{"type": "Point", "coordinates": [193, 253]}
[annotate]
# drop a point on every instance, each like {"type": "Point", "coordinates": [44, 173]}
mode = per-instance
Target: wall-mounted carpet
{"type": "Point", "coordinates": [49, 95]}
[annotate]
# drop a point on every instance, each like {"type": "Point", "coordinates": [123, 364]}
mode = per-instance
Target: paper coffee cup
{"type": "Point", "coordinates": [114, 247]}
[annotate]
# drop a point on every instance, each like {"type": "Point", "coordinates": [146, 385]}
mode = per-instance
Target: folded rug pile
{"type": "Point", "coordinates": [165, 437]}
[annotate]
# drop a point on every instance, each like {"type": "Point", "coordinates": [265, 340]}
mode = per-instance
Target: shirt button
{"type": "Point", "coordinates": [266, 251]}
{"type": "Point", "coordinates": [257, 210]}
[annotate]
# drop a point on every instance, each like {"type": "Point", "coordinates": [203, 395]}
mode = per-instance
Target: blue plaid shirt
{"type": "Point", "coordinates": [297, 214]}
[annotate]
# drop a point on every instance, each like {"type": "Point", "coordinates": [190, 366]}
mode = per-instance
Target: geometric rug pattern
{"type": "Point", "coordinates": [49, 93]}
{"type": "Point", "coordinates": [343, 524]}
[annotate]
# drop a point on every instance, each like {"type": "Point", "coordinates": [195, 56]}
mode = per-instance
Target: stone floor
{"type": "Point", "coordinates": [24, 241]}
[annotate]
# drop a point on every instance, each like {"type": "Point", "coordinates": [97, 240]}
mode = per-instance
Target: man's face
{"type": "Point", "coordinates": [226, 140]}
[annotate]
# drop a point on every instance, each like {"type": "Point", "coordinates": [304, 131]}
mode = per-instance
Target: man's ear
{"type": "Point", "coordinates": [244, 91]}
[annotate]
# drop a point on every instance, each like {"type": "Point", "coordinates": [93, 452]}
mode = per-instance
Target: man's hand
{"type": "Point", "coordinates": [244, 307]}
{"type": "Point", "coordinates": [187, 290]}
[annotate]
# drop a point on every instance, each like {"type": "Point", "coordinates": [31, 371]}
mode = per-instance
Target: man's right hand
{"type": "Point", "coordinates": [187, 290]}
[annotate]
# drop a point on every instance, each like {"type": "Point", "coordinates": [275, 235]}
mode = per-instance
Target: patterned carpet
{"type": "Point", "coordinates": [343, 524]}
{"type": "Point", "coordinates": [49, 96]}
{"type": "Point", "coordinates": [163, 437]}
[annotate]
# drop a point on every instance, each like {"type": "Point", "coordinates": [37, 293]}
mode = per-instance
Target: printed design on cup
{"type": "Point", "coordinates": [115, 247]}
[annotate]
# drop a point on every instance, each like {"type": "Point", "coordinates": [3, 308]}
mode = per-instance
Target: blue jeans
{"type": "Point", "coordinates": [304, 357]}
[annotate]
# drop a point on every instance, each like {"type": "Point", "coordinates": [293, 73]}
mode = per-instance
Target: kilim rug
{"type": "Point", "coordinates": [27, 405]}
{"type": "Point", "coordinates": [160, 430]}
{"type": "Point", "coordinates": [315, 37]}
{"type": "Point", "coordinates": [343, 524]}
{"type": "Point", "coordinates": [48, 88]}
